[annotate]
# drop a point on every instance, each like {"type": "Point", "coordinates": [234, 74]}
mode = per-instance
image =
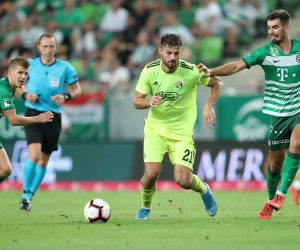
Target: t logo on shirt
{"type": "Point", "coordinates": [282, 73]}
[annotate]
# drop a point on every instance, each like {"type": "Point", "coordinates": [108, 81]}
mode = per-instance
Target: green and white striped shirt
{"type": "Point", "coordinates": [282, 78]}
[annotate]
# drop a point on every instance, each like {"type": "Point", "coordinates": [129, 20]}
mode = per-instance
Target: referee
{"type": "Point", "coordinates": [47, 81]}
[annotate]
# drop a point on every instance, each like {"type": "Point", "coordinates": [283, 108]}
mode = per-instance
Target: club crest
{"type": "Point", "coordinates": [178, 84]}
{"type": "Point", "coordinates": [274, 51]}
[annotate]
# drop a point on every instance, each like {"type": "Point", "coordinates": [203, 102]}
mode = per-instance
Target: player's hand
{"type": "Point", "coordinates": [209, 116]}
{"type": "Point", "coordinates": [202, 68]}
{"type": "Point", "coordinates": [58, 99]}
{"type": "Point", "coordinates": [31, 97]}
{"type": "Point", "coordinates": [155, 101]}
{"type": "Point", "coordinates": [46, 117]}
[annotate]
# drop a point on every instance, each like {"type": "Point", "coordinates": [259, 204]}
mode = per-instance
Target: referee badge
{"type": "Point", "coordinates": [54, 82]}
{"type": "Point", "coordinates": [178, 84]}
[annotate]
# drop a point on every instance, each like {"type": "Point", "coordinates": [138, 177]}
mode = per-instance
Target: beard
{"type": "Point", "coordinates": [171, 65]}
{"type": "Point", "coordinates": [278, 39]}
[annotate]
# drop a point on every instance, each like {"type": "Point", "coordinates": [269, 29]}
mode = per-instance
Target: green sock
{"type": "Point", "coordinates": [290, 167]}
{"type": "Point", "coordinates": [272, 182]}
{"type": "Point", "coordinates": [147, 196]}
{"type": "Point", "coordinates": [198, 185]}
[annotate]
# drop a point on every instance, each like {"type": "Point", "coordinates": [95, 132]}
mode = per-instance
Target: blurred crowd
{"type": "Point", "coordinates": [109, 42]}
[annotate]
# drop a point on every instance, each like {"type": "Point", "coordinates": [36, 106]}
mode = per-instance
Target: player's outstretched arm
{"type": "Point", "coordinates": [140, 101]}
{"type": "Point", "coordinates": [228, 69]}
{"type": "Point", "coordinates": [18, 120]}
{"type": "Point", "coordinates": [209, 116]}
{"type": "Point", "coordinates": [224, 70]}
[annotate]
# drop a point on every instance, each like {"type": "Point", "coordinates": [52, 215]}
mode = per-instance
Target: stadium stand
{"type": "Point", "coordinates": [110, 41]}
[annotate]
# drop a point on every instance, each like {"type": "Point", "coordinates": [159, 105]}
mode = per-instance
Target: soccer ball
{"type": "Point", "coordinates": [97, 210]}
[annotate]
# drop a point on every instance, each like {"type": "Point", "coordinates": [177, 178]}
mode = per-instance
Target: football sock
{"type": "Point", "coordinates": [198, 185]}
{"type": "Point", "coordinates": [28, 174]}
{"type": "Point", "coordinates": [272, 182]}
{"type": "Point", "coordinates": [39, 176]}
{"type": "Point", "coordinates": [290, 167]}
{"type": "Point", "coordinates": [147, 196]}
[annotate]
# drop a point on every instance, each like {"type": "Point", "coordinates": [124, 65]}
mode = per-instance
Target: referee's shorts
{"type": "Point", "coordinates": [47, 134]}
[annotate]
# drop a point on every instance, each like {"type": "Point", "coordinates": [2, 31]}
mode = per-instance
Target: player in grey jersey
{"type": "Point", "coordinates": [280, 60]}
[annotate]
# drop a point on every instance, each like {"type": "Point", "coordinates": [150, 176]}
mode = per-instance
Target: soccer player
{"type": "Point", "coordinates": [172, 85]}
{"type": "Point", "coordinates": [17, 75]}
{"type": "Point", "coordinates": [280, 60]}
{"type": "Point", "coordinates": [48, 76]}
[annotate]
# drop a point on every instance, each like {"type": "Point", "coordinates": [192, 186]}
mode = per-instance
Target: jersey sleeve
{"type": "Point", "coordinates": [143, 84]}
{"type": "Point", "coordinates": [71, 74]}
{"type": "Point", "coordinates": [255, 57]}
{"type": "Point", "coordinates": [6, 103]}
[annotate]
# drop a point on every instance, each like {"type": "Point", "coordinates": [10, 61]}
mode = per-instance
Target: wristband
{"type": "Point", "coordinates": [24, 95]}
{"type": "Point", "coordinates": [67, 96]}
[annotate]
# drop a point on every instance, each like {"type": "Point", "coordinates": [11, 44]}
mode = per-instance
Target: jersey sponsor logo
{"type": "Point", "coordinates": [280, 142]}
{"type": "Point", "coordinates": [168, 96]}
{"type": "Point", "coordinates": [282, 73]}
{"type": "Point", "coordinates": [178, 84]}
{"type": "Point", "coordinates": [298, 57]}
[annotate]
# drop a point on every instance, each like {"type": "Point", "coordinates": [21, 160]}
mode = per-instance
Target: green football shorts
{"type": "Point", "coordinates": [156, 145]}
{"type": "Point", "coordinates": [1, 146]}
{"type": "Point", "coordinates": [281, 129]}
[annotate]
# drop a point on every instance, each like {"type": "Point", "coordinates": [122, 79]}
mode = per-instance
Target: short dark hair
{"type": "Point", "coordinates": [48, 36]}
{"type": "Point", "coordinates": [171, 40]}
{"type": "Point", "coordinates": [283, 15]}
{"type": "Point", "coordinates": [22, 61]}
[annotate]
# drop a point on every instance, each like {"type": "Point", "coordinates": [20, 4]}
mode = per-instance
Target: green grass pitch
{"type": "Point", "coordinates": [178, 221]}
